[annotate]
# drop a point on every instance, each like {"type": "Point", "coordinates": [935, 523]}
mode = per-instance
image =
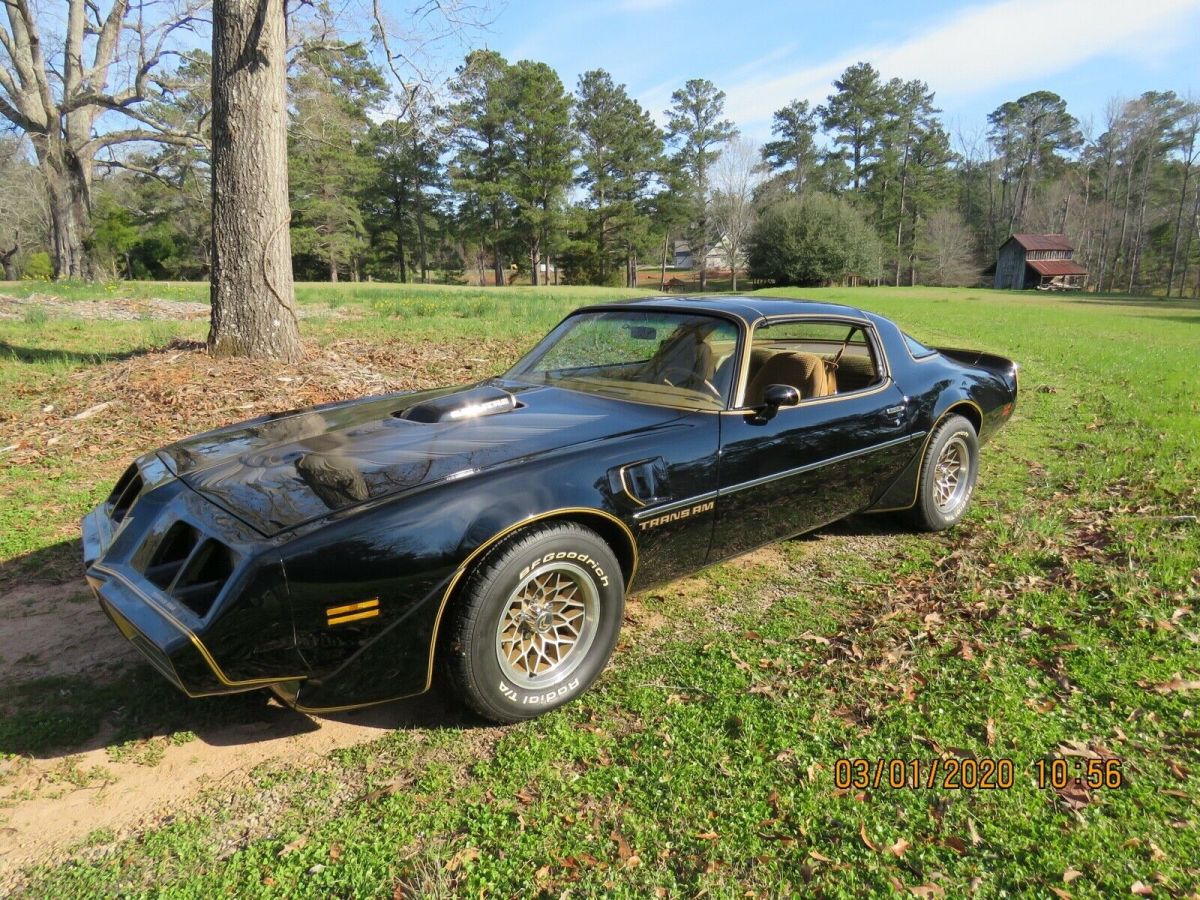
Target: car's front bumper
{"type": "Point", "coordinates": [169, 645]}
{"type": "Point", "coordinates": [118, 551]}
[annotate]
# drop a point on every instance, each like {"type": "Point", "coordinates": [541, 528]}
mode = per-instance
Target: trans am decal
{"type": "Point", "coordinates": [685, 513]}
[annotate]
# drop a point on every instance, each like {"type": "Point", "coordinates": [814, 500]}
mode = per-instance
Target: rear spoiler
{"type": "Point", "coordinates": [1000, 366]}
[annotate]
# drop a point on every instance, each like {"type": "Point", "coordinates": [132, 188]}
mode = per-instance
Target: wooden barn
{"type": "Point", "coordinates": [1042, 261]}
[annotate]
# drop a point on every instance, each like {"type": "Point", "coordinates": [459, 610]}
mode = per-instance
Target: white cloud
{"type": "Point", "coordinates": [985, 47]}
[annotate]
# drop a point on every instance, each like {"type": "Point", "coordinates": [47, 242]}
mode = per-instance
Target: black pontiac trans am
{"type": "Point", "coordinates": [333, 555]}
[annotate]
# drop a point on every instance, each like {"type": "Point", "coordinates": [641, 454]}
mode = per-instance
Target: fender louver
{"type": "Point", "coordinates": [190, 567]}
{"type": "Point", "coordinates": [123, 495]}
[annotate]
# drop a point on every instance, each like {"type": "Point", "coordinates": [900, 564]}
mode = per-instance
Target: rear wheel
{"type": "Point", "coordinates": [536, 622]}
{"type": "Point", "coordinates": [947, 477]}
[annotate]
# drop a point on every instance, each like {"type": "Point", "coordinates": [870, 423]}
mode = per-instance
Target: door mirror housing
{"type": "Point", "coordinates": [776, 396]}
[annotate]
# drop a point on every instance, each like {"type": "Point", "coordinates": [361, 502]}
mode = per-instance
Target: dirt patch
{"type": "Point", "coordinates": [84, 427]}
{"type": "Point", "coordinates": [50, 806]}
{"type": "Point", "coordinates": [56, 630]}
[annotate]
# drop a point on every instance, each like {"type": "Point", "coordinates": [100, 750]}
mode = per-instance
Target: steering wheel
{"type": "Point", "coordinates": [692, 377]}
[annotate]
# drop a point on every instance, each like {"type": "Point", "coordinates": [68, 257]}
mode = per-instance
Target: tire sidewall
{"type": "Point", "coordinates": [491, 689]}
{"type": "Point", "coordinates": [953, 427]}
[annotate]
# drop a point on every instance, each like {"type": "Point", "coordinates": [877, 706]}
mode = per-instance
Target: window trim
{"type": "Point", "coordinates": [873, 341]}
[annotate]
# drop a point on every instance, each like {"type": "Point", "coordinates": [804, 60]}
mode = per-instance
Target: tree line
{"type": "Point", "coordinates": [504, 172]}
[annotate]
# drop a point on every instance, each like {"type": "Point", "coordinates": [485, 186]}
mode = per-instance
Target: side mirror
{"type": "Point", "coordinates": [775, 396]}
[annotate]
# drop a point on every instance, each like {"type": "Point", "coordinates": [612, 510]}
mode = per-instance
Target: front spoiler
{"type": "Point", "coordinates": [147, 621]}
{"type": "Point", "coordinates": [165, 643]}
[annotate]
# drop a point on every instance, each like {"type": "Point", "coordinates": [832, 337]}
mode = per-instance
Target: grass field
{"type": "Point", "coordinates": [1060, 620]}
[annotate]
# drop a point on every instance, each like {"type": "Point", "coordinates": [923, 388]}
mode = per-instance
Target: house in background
{"type": "Point", "coordinates": [1042, 261]}
{"type": "Point", "coordinates": [716, 258]}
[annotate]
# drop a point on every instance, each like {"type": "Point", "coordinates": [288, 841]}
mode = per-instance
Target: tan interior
{"type": "Point", "coordinates": [813, 375]}
{"type": "Point", "coordinates": [803, 371]}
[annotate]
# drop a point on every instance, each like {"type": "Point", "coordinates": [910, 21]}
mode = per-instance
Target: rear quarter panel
{"type": "Point", "coordinates": [980, 386]}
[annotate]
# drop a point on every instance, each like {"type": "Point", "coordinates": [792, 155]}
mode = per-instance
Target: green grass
{"type": "Point", "coordinates": [703, 760]}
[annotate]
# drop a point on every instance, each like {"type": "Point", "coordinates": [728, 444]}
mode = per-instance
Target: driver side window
{"type": "Point", "coordinates": [818, 358]}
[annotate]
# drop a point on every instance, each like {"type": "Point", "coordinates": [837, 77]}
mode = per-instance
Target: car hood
{"type": "Point", "coordinates": [281, 471]}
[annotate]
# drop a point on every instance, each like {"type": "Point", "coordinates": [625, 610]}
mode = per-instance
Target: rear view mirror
{"type": "Point", "coordinates": [643, 332]}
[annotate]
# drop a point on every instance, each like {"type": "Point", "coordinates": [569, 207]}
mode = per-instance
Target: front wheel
{"type": "Point", "coordinates": [947, 477]}
{"type": "Point", "coordinates": [536, 622]}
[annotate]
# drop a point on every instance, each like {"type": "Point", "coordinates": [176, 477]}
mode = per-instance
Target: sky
{"type": "Point", "coordinates": [974, 56]}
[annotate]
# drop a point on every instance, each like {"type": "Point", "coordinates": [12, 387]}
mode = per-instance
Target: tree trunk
{"type": "Point", "coordinates": [421, 250]}
{"type": "Point", "coordinates": [1193, 228]}
{"type": "Point", "coordinates": [1183, 192]}
{"type": "Point", "coordinates": [401, 265]}
{"type": "Point", "coordinates": [253, 298]}
{"type": "Point", "coordinates": [333, 271]}
{"type": "Point", "coordinates": [68, 180]}
{"type": "Point", "coordinates": [1105, 228]}
{"type": "Point", "coordinates": [8, 259]}
{"type": "Point", "coordinates": [662, 272]}
{"type": "Point", "coordinates": [1124, 222]}
{"type": "Point", "coordinates": [900, 212]}
{"type": "Point", "coordinates": [1139, 232]}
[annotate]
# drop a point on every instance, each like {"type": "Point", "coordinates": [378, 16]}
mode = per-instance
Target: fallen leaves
{"type": "Point", "coordinates": [461, 858]}
{"type": "Point", "coordinates": [1074, 795]}
{"type": "Point", "coordinates": [927, 890]}
{"type": "Point", "coordinates": [862, 833]}
{"type": "Point", "coordinates": [292, 846]}
{"type": "Point", "coordinates": [1176, 684]}
{"type": "Point", "coordinates": [624, 851]}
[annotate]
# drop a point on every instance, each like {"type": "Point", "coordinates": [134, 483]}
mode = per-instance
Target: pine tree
{"type": "Point", "coordinates": [696, 127]}
{"type": "Point", "coordinates": [620, 156]}
{"type": "Point", "coordinates": [793, 155]}
{"type": "Point", "coordinates": [401, 201]}
{"type": "Point", "coordinates": [540, 141]}
{"type": "Point", "coordinates": [482, 153]}
{"type": "Point", "coordinates": [1028, 134]}
{"type": "Point", "coordinates": [854, 114]}
{"type": "Point", "coordinates": [334, 89]}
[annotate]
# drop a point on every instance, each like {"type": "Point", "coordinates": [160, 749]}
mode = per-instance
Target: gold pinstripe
{"type": "Point", "coordinates": [563, 512]}
{"type": "Point", "coordinates": [199, 645]}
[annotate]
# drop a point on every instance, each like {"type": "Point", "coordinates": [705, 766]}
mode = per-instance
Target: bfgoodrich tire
{"type": "Point", "coordinates": [535, 623]}
{"type": "Point", "coordinates": [947, 478]}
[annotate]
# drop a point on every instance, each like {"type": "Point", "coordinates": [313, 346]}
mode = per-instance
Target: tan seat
{"type": "Point", "coordinates": [685, 360]}
{"type": "Point", "coordinates": [854, 373]}
{"type": "Point", "coordinates": [803, 371]}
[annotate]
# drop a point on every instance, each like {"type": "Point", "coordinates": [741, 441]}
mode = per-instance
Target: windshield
{"type": "Point", "coordinates": [672, 359]}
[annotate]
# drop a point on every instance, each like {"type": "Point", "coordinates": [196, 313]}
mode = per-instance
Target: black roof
{"type": "Point", "coordinates": [748, 309]}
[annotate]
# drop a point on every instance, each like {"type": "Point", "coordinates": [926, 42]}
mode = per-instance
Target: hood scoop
{"type": "Point", "coordinates": [461, 406]}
